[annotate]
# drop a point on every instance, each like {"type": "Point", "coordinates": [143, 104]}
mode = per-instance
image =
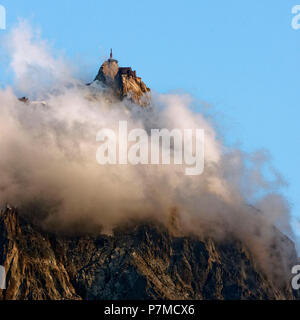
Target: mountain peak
{"type": "Point", "coordinates": [123, 81]}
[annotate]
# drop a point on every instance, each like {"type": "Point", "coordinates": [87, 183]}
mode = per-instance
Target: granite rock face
{"type": "Point", "coordinates": [123, 82]}
{"type": "Point", "coordinates": [32, 270]}
{"type": "Point", "coordinates": [143, 261]}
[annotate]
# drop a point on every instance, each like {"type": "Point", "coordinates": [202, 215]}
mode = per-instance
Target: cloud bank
{"type": "Point", "coordinates": [48, 164]}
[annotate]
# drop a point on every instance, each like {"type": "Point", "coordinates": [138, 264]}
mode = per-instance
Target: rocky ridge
{"type": "Point", "coordinates": [142, 261]}
{"type": "Point", "coordinates": [123, 82]}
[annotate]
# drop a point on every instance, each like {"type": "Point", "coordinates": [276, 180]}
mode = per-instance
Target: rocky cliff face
{"type": "Point", "coordinates": [123, 82]}
{"type": "Point", "coordinates": [33, 272]}
{"type": "Point", "coordinates": [143, 261]}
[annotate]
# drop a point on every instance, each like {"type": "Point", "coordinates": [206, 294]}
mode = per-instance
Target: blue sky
{"type": "Point", "coordinates": [243, 58]}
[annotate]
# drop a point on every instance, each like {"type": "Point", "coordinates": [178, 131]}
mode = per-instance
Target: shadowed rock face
{"type": "Point", "coordinates": [123, 82]}
{"type": "Point", "coordinates": [143, 261]}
